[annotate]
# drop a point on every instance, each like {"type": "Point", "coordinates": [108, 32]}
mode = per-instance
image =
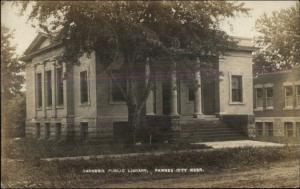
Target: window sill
{"type": "Point", "coordinates": [270, 108]}
{"type": "Point", "coordinates": [288, 108]}
{"type": "Point", "coordinates": [237, 103]}
{"type": "Point", "coordinates": [258, 109]}
{"type": "Point", "coordinates": [85, 104]}
{"type": "Point", "coordinates": [60, 107]}
{"type": "Point", "coordinates": [39, 109]}
{"type": "Point", "coordinates": [48, 108]}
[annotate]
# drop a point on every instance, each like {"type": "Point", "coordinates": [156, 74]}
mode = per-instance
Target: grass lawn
{"type": "Point", "coordinates": [32, 149]}
{"type": "Point", "coordinates": [222, 167]}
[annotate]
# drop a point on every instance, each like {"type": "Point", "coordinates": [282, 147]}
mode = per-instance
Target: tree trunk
{"type": "Point", "coordinates": [134, 120]}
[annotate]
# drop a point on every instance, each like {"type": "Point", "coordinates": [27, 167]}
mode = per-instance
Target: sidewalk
{"type": "Point", "coordinates": [239, 143]}
{"type": "Point", "coordinates": [214, 145]}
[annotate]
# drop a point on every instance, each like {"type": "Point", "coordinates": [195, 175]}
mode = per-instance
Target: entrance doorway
{"type": "Point", "coordinates": [166, 97]}
{"type": "Point", "coordinates": [209, 97]}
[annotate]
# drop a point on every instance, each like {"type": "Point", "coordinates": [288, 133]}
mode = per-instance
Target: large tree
{"type": "Point", "coordinates": [136, 33]}
{"type": "Point", "coordinates": [11, 79]}
{"type": "Point", "coordinates": [279, 42]}
{"type": "Point", "coordinates": [12, 99]}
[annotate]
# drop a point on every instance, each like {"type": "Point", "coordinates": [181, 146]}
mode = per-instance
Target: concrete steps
{"type": "Point", "coordinates": [206, 130]}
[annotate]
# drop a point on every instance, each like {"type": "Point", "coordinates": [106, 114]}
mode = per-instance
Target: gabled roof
{"type": "Point", "coordinates": [38, 40]}
{"type": "Point", "coordinates": [38, 46]}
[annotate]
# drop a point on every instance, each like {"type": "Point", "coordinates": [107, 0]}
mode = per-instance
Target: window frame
{"type": "Point", "coordinates": [267, 127]}
{"type": "Point", "coordinates": [298, 129]}
{"type": "Point", "coordinates": [58, 129]}
{"type": "Point", "coordinates": [39, 90]}
{"type": "Point", "coordinates": [241, 90]}
{"type": "Point", "coordinates": [47, 130]}
{"type": "Point", "coordinates": [87, 102]}
{"type": "Point", "coordinates": [269, 107]}
{"type": "Point", "coordinates": [59, 87]}
{"type": "Point", "coordinates": [38, 130]}
{"type": "Point", "coordinates": [286, 130]}
{"type": "Point", "coordinates": [84, 131]}
{"type": "Point", "coordinates": [256, 129]}
{"type": "Point", "coordinates": [285, 97]}
{"type": "Point", "coordinates": [259, 108]}
{"type": "Point", "coordinates": [49, 89]}
{"type": "Point", "coordinates": [297, 85]}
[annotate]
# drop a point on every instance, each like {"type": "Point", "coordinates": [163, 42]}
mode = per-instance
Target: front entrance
{"type": "Point", "coordinates": [166, 98]}
{"type": "Point", "coordinates": [209, 97]}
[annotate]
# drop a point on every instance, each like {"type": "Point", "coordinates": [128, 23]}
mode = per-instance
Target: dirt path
{"type": "Point", "coordinates": [280, 174]}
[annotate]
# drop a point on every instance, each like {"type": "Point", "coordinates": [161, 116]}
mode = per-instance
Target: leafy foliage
{"type": "Point", "coordinates": [11, 80]}
{"type": "Point", "coordinates": [136, 33]}
{"type": "Point", "coordinates": [280, 41]}
{"type": "Point", "coordinates": [12, 99]}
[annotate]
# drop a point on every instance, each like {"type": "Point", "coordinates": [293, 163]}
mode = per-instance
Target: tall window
{"type": "Point", "coordinates": [119, 81]}
{"type": "Point", "coordinates": [259, 97]}
{"type": "Point", "coordinates": [49, 88]}
{"type": "Point", "coordinates": [269, 128]}
{"type": "Point", "coordinates": [38, 130]}
{"type": "Point", "coordinates": [59, 86]}
{"type": "Point", "coordinates": [289, 96]}
{"type": "Point", "coordinates": [298, 95]}
{"type": "Point", "coordinates": [83, 87]}
{"type": "Point", "coordinates": [236, 88]}
{"type": "Point", "coordinates": [288, 129]}
{"type": "Point", "coordinates": [259, 128]}
{"type": "Point", "coordinates": [58, 130]}
{"type": "Point", "coordinates": [47, 130]}
{"type": "Point", "coordinates": [84, 130]}
{"type": "Point", "coordinates": [269, 97]}
{"type": "Point", "coordinates": [39, 90]}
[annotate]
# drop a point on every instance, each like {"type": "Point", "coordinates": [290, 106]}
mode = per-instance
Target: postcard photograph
{"type": "Point", "coordinates": [150, 94]}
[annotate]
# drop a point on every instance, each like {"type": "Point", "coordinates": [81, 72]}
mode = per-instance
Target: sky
{"type": "Point", "coordinates": [242, 25]}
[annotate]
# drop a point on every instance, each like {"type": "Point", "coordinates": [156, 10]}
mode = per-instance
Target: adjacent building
{"type": "Point", "coordinates": [82, 101]}
{"type": "Point", "coordinates": [277, 104]}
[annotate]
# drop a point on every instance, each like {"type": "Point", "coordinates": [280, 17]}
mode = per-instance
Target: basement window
{"type": "Point", "coordinates": [58, 130]}
{"type": "Point", "coordinates": [38, 130]}
{"type": "Point", "coordinates": [269, 128]}
{"type": "Point", "coordinates": [298, 129]}
{"type": "Point", "coordinates": [84, 130]}
{"type": "Point", "coordinates": [47, 130]}
{"type": "Point", "coordinates": [259, 128]}
{"type": "Point", "coordinates": [288, 129]}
